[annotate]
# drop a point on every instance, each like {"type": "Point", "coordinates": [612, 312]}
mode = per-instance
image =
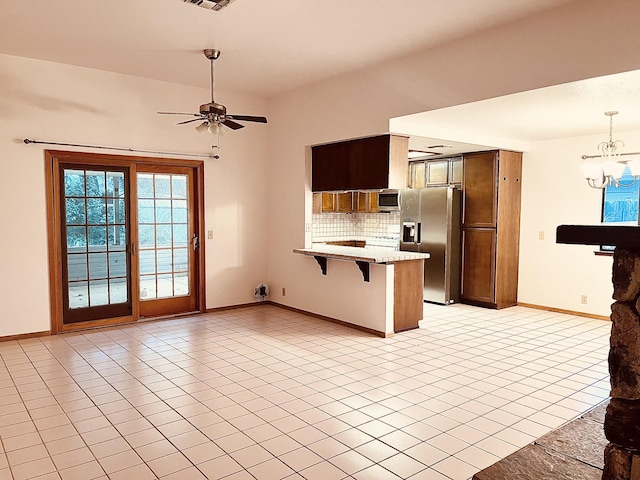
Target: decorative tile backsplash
{"type": "Point", "coordinates": [355, 225]}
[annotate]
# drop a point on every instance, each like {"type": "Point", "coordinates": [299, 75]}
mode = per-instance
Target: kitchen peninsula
{"type": "Point", "coordinates": [403, 276]}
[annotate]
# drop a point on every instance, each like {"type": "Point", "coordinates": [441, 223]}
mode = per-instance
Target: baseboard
{"type": "Point", "coordinates": [25, 336]}
{"type": "Point", "coordinates": [304, 312]}
{"type": "Point", "coordinates": [561, 310]}
{"type": "Point", "coordinates": [222, 309]}
{"type": "Point", "coordinates": [239, 305]}
{"type": "Point", "coordinates": [331, 319]}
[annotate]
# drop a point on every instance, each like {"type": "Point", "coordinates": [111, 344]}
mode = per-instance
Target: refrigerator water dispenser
{"type": "Point", "coordinates": [410, 232]}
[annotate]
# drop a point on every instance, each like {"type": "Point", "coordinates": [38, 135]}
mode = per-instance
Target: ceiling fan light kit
{"type": "Point", "coordinates": [214, 115]}
{"type": "Point", "coordinates": [214, 5]}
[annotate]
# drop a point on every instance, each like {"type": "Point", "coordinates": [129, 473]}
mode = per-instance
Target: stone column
{"type": "Point", "coordinates": [622, 420]}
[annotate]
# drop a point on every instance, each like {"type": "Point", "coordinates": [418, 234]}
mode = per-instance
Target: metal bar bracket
{"type": "Point", "coordinates": [364, 268]}
{"type": "Point", "coordinates": [322, 261]}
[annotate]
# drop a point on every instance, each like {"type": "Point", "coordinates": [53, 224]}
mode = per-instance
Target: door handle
{"type": "Point", "coordinates": [195, 242]}
{"type": "Point", "coordinates": [419, 233]}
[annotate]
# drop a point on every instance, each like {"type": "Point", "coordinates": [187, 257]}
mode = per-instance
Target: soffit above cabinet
{"type": "Point", "coordinates": [372, 163]}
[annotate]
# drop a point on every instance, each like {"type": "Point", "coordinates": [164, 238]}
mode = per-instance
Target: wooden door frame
{"type": "Point", "coordinates": [52, 160]}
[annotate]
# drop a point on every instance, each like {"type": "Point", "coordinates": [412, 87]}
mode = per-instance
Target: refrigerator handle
{"type": "Point", "coordinates": [419, 232]}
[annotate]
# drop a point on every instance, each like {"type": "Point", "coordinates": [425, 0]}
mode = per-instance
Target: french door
{"type": "Point", "coordinates": [167, 241]}
{"type": "Point", "coordinates": [95, 240]}
{"type": "Point", "coordinates": [124, 238]}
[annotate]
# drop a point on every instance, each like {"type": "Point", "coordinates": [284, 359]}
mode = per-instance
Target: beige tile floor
{"type": "Point", "coordinates": [266, 393]}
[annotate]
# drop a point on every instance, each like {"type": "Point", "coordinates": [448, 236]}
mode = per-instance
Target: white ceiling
{"type": "Point", "coordinates": [268, 47]}
{"type": "Point", "coordinates": [272, 47]}
{"type": "Point", "coordinates": [562, 111]}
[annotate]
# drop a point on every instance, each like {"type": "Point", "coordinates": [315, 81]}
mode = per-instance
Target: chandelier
{"type": "Point", "coordinates": [609, 170]}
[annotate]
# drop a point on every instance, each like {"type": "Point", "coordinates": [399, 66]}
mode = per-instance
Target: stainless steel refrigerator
{"type": "Point", "coordinates": [430, 223]}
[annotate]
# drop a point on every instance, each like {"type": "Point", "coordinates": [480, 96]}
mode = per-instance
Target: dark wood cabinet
{"type": "Point", "coordinates": [348, 243]}
{"type": "Point", "coordinates": [329, 202]}
{"type": "Point", "coordinates": [417, 175]}
{"type": "Point", "coordinates": [435, 173]}
{"type": "Point", "coordinates": [344, 202]}
{"type": "Point", "coordinates": [378, 162]}
{"type": "Point", "coordinates": [365, 202]}
{"type": "Point", "coordinates": [317, 203]}
{"type": "Point", "coordinates": [455, 171]}
{"type": "Point", "coordinates": [491, 228]}
{"type": "Point", "coordinates": [408, 301]}
{"type": "Point", "coordinates": [480, 180]}
{"type": "Point", "coordinates": [438, 173]}
{"type": "Point", "coordinates": [478, 264]}
{"type": "Point", "coordinates": [361, 200]}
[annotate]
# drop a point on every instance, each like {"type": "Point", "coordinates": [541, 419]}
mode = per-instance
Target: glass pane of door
{"type": "Point", "coordinates": [164, 238]}
{"type": "Point", "coordinates": [94, 251]}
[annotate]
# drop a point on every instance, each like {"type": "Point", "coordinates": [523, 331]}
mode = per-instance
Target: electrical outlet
{"type": "Point", "coordinates": [540, 235]}
{"type": "Point", "coordinates": [210, 234]}
{"type": "Point", "coordinates": [583, 299]}
{"type": "Point", "coordinates": [284, 292]}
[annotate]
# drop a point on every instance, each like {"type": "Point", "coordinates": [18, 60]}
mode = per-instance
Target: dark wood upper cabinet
{"type": "Point", "coordinates": [371, 163]}
{"type": "Point", "coordinates": [365, 202]}
{"type": "Point", "coordinates": [479, 208]}
{"type": "Point", "coordinates": [435, 172]}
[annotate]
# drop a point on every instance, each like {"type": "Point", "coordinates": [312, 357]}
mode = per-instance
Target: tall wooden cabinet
{"type": "Point", "coordinates": [491, 183]}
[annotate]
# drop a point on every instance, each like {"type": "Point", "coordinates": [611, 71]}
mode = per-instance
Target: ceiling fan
{"type": "Point", "coordinates": [213, 115]}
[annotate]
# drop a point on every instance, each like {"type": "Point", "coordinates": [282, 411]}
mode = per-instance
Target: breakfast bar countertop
{"type": "Point", "coordinates": [358, 254]}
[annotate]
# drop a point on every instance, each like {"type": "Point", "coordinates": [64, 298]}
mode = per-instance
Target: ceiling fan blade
{"type": "Point", "coordinates": [248, 118]}
{"type": "Point", "coordinates": [176, 113]}
{"type": "Point", "coordinates": [232, 125]}
{"type": "Point", "coordinates": [189, 121]}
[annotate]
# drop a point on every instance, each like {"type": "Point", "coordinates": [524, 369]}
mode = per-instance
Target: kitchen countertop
{"type": "Point", "coordinates": [357, 254]}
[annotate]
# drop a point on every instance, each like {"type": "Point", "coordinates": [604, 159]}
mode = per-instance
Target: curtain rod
{"type": "Point", "coordinates": [205, 155]}
{"type": "Point", "coordinates": [586, 157]}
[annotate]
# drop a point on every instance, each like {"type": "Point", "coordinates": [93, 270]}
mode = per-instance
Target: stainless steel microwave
{"type": "Point", "coordinates": [388, 201]}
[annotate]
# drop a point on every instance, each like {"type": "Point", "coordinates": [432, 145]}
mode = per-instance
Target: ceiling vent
{"type": "Point", "coordinates": [210, 4]}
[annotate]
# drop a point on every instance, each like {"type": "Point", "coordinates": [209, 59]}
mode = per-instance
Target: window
{"type": "Point", "coordinates": [620, 203]}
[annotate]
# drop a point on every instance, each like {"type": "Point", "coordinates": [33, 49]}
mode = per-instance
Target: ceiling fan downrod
{"type": "Point", "coordinates": [212, 54]}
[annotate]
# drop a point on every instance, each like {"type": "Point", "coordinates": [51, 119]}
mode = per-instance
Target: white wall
{"type": "Point", "coordinates": [542, 50]}
{"type": "Point", "coordinates": [555, 193]}
{"type": "Point", "coordinates": [60, 103]}
{"type": "Point", "coordinates": [256, 199]}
